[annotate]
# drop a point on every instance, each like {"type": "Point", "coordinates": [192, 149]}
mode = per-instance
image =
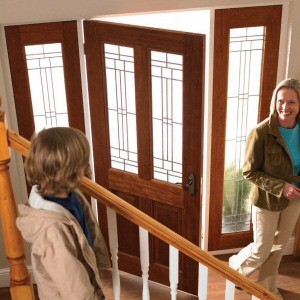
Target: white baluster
{"type": "Point", "coordinates": [113, 245]}
{"type": "Point", "coordinates": [202, 282]}
{"type": "Point", "coordinates": [144, 254]}
{"type": "Point", "coordinates": [230, 290]}
{"type": "Point", "coordinates": [173, 270]}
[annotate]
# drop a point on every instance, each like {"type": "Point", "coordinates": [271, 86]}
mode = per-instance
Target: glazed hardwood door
{"type": "Point", "coordinates": [246, 51]}
{"type": "Point", "coordinates": [45, 72]}
{"type": "Point", "coordinates": [146, 103]}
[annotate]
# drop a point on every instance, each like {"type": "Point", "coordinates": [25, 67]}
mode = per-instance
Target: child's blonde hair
{"type": "Point", "coordinates": [58, 159]}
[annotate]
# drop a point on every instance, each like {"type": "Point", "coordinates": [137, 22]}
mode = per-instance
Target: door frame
{"type": "Point", "coordinates": [183, 43]}
{"type": "Point", "coordinates": [231, 18]}
{"type": "Point", "coordinates": [66, 33]}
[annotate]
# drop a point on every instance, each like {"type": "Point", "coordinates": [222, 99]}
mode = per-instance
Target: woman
{"type": "Point", "coordinates": [272, 164]}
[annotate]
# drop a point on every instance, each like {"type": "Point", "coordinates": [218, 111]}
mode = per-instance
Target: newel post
{"type": "Point", "coordinates": [20, 282]}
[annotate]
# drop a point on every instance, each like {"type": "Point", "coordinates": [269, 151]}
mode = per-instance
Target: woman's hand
{"type": "Point", "coordinates": [291, 192]}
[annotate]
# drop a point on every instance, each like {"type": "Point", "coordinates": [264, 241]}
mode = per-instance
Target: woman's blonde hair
{"type": "Point", "coordinates": [58, 159]}
{"type": "Point", "coordinates": [288, 83]}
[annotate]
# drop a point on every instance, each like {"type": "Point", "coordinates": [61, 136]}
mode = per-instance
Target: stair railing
{"type": "Point", "coordinates": [20, 281]}
{"type": "Point", "coordinates": [21, 286]}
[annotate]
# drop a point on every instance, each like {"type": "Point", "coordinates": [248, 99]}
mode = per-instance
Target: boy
{"type": "Point", "coordinates": [67, 244]}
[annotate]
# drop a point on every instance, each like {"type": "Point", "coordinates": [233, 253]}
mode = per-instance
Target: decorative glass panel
{"type": "Point", "coordinates": [245, 65]}
{"type": "Point", "coordinates": [47, 85]}
{"type": "Point", "coordinates": [119, 63]}
{"type": "Point", "coordinates": [166, 72]}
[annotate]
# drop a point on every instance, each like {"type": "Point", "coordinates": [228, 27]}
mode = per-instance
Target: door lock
{"type": "Point", "coordinates": [190, 185]}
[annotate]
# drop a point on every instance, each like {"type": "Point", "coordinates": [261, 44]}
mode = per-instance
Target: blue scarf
{"type": "Point", "coordinates": [75, 208]}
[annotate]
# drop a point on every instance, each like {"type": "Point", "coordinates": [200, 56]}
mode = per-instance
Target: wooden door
{"type": "Point", "coordinates": [45, 72]}
{"type": "Point", "coordinates": [146, 102]}
{"type": "Point", "coordinates": [246, 51]}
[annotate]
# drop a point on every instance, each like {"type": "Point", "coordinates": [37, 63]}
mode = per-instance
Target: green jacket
{"type": "Point", "coordinates": [268, 165]}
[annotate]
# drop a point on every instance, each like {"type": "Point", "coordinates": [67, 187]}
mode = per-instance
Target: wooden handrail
{"type": "Point", "coordinates": [136, 216]}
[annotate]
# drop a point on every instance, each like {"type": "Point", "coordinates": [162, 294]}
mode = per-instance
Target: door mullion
{"type": "Point", "coordinates": [143, 112]}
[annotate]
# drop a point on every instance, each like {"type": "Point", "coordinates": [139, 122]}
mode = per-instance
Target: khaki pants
{"type": "Point", "coordinates": [271, 232]}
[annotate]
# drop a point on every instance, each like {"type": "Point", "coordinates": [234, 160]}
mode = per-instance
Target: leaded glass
{"type": "Point", "coordinates": [119, 63]}
{"type": "Point", "coordinates": [245, 64]}
{"type": "Point", "coordinates": [167, 104]}
{"type": "Point", "coordinates": [47, 85]}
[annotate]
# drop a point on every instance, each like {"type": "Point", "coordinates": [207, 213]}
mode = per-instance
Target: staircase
{"type": "Point", "coordinates": [21, 285]}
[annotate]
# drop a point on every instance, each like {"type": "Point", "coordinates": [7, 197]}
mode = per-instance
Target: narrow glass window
{"type": "Point", "coordinates": [119, 63]}
{"type": "Point", "coordinates": [245, 65]}
{"type": "Point", "coordinates": [167, 105]}
{"type": "Point", "coordinates": [47, 85]}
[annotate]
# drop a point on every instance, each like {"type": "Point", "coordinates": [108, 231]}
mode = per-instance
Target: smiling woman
{"type": "Point", "coordinates": [287, 107]}
{"type": "Point", "coordinates": [272, 165]}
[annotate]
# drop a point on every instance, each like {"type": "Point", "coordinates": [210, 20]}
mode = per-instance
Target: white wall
{"type": "Point", "coordinates": [16, 160]}
{"type": "Point", "coordinates": [26, 11]}
{"type": "Point", "coordinates": [294, 57]}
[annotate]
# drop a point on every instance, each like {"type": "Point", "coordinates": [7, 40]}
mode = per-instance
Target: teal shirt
{"type": "Point", "coordinates": [292, 140]}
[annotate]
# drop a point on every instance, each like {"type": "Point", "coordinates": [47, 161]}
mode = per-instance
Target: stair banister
{"type": "Point", "coordinates": [144, 258]}
{"type": "Point", "coordinates": [20, 281]}
{"type": "Point", "coordinates": [159, 230]}
{"type": "Point", "coordinates": [113, 247]}
{"type": "Point", "coordinates": [154, 227]}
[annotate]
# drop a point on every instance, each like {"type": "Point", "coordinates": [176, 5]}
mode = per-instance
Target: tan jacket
{"type": "Point", "coordinates": [64, 265]}
{"type": "Point", "coordinates": [268, 166]}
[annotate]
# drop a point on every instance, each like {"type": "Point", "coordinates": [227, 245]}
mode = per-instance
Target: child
{"type": "Point", "coordinates": [67, 244]}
